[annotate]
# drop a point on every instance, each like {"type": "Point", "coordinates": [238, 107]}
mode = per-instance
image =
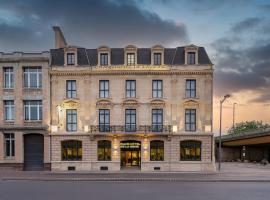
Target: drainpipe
{"type": "Point", "coordinates": [50, 112]}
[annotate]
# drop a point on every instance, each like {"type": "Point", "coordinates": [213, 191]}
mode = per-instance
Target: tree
{"type": "Point", "coordinates": [248, 126]}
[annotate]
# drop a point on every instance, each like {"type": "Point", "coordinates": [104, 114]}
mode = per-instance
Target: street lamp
{"type": "Point", "coordinates": [220, 123]}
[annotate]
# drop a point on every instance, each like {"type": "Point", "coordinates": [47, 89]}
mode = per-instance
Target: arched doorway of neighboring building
{"type": "Point", "coordinates": [33, 152]}
{"type": "Point", "coordinates": [130, 153]}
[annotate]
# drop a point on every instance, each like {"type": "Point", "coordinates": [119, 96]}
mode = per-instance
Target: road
{"type": "Point", "coordinates": [80, 190]}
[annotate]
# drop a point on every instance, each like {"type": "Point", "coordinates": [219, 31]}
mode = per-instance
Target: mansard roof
{"type": "Point", "coordinates": [172, 56]}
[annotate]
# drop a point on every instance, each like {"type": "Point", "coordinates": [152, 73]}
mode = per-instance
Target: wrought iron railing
{"type": "Point", "coordinates": [131, 129]}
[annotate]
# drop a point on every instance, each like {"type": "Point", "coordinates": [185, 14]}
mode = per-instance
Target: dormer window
{"type": "Point", "coordinates": [157, 58]}
{"type": "Point", "coordinates": [191, 54]}
{"type": "Point", "coordinates": [157, 53]}
{"type": "Point", "coordinates": [191, 58]}
{"type": "Point", "coordinates": [104, 59]}
{"type": "Point", "coordinates": [130, 55]}
{"type": "Point", "coordinates": [70, 58]}
{"type": "Point", "coordinates": [131, 59]}
{"type": "Point", "coordinates": [104, 56]}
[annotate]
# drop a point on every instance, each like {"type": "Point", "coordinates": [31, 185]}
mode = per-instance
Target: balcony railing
{"type": "Point", "coordinates": [131, 129]}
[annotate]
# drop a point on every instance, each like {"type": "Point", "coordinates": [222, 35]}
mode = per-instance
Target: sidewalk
{"type": "Point", "coordinates": [231, 172]}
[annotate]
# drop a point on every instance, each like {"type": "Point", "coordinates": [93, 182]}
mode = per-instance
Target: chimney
{"type": "Point", "coordinates": [60, 40]}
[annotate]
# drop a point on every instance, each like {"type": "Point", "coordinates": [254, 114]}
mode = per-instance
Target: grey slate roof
{"type": "Point", "coordinates": [117, 56]}
{"type": "Point", "coordinates": [172, 56]}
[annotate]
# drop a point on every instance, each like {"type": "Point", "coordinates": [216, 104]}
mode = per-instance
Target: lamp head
{"type": "Point", "coordinates": [227, 96]}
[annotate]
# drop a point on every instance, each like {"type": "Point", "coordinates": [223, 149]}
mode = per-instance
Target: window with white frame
{"type": "Point", "coordinates": [157, 89]}
{"type": "Point", "coordinates": [191, 88]}
{"type": "Point", "coordinates": [104, 120]}
{"type": "Point", "coordinates": [103, 59]}
{"type": "Point", "coordinates": [32, 77]}
{"type": "Point", "coordinates": [71, 89]}
{"type": "Point", "coordinates": [9, 110]}
{"type": "Point", "coordinates": [190, 119]}
{"type": "Point", "coordinates": [9, 145]}
{"type": "Point", "coordinates": [131, 59]}
{"type": "Point", "coordinates": [130, 88]}
{"type": "Point", "coordinates": [71, 119]}
{"type": "Point", "coordinates": [103, 89]}
{"type": "Point", "coordinates": [8, 77]}
{"type": "Point", "coordinates": [32, 110]}
{"type": "Point", "coordinates": [157, 120]}
{"type": "Point", "coordinates": [157, 58]}
{"type": "Point", "coordinates": [191, 58]}
{"type": "Point", "coordinates": [130, 120]}
{"type": "Point", "coordinates": [70, 58]}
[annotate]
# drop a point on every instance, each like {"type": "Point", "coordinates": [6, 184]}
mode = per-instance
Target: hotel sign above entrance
{"type": "Point", "coordinates": [130, 145]}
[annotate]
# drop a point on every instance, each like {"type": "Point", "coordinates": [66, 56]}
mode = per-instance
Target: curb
{"type": "Point", "coordinates": [131, 179]}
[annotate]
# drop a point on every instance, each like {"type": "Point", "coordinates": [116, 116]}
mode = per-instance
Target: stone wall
{"type": "Point", "coordinates": [171, 153]}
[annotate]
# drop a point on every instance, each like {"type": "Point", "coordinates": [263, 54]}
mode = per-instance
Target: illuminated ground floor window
{"type": "Point", "coordinates": [104, 150]}
{"type": "Point", "coordinates": [190, 150]}
{"type": "Point", "coordinates": [156, 150]}
{"type": "Point", "coordinates": [71, 150]}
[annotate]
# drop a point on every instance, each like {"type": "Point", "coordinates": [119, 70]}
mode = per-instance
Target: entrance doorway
{"type": "Point", "coordinates": [130, 153]}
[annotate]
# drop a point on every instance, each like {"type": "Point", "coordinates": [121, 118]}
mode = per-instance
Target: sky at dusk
{"type": "Point", "coordinates": [236, 35]}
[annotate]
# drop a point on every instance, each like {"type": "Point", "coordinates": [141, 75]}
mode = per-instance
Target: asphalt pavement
{"type": "Point", "coordinates": [74, 190]}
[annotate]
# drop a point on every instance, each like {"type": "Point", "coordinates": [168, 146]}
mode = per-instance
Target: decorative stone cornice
{"type": "Point", "coordinates": [128, 70]}
{"type": "Point", "coordinates": [71, 103]}
{"type": "Point", "coordinates": [130, 102]}
{"type": "Point", "coordinates": [157, 102]}
{"type": "Point", "coordinates": [191, 103]}
{"type": "Point", "coordinates": [104, 103]}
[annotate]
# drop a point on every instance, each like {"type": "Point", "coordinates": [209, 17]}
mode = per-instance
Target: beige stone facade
{"type": "Point", "coordinates": [18, 93]}
{"type": "Point", "coordinates": [173, 102]}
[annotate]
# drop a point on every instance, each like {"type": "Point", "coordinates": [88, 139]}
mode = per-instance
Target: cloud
{"type": "Point", "coordinates": [85, 23]}
{"type": "Point", "coordinates": [246, 24]}
{"type": "Point", "coordinates": [264, 7]}
{"type": "Point", "coordinates": [242, 61]}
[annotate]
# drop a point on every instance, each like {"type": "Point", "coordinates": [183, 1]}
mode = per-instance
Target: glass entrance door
{"type": "Point", "coordinates": [130, 154]}
{"type": "Point", "coordinates": [130, 158]}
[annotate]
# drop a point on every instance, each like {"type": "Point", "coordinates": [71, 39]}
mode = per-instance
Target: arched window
{"type": "Point", "coordinates": [156, 150]}
{"type": "Point", "coordinates": [71, 150]}
{"type": "Point", "coordinates": [104, 150]}
{"type": "Point", "coordinates": [190, 150]}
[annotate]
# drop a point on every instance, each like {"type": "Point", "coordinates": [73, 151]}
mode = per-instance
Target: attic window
{"type": "Point", "coordinates": [191, 58]}
{"type": "Point", "coordinates": [131, 59]}
{"type": "Point", "coordinates": [157, 58]}
{"type": "Point", "coordinates": [70, 58]}
{"type": "Point", "coordinates": [103, 59]}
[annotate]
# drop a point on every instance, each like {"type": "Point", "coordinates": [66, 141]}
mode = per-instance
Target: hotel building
{"type": "Point", "coordinates": [147, 109]}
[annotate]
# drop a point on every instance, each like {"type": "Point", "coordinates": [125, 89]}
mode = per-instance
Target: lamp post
{"type": "Point", "coordinates": [220, 127]}
{"type": "Point", "coordinates": [234, 115]}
